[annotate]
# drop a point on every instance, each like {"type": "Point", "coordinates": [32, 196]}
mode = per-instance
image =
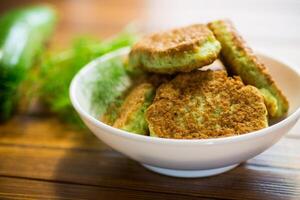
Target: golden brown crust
{"type": "Point", "coordinates": [223, 27]}
{"type": "Point", "coordinates": [242, 46]}
{"type": "Point", "coordinates": [132, 103]}
{"type": "Point", "coordinates": [205, 104]}
{"type": "Point", "coordinates": [174, 41]}
{"type": "Point", "coordinates": [178, 50]}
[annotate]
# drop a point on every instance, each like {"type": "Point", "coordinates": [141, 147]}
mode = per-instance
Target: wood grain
{"type": "Point", "coordinates": [17, 189]}
{"type": "Point", "coordinates": [276, 178]}
{"type": "Point", "coordinates": [46, 131]}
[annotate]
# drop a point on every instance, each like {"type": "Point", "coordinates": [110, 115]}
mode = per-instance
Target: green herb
{"type": "Point", "coordinates": [58, 69]}
{"type": "Point", "coordinates": [109, 89]}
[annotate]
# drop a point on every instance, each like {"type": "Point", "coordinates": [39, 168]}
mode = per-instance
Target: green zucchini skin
{"type": "Point", "coordinates": [22, 35]}
{"type": "Point", "coordinates": [240, 60]}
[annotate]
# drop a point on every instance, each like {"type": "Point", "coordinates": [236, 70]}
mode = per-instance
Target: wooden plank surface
{"type": "Point", "coordinates": [41, 148]}
{"type": "Point", "coordinates": [42, 158]}
{"type": "Point", "coordinates": [273, 174]}
{"type": "Point", "coordinates": [46, 131]}
{"type": "Point", "coordinates": [17, 189]}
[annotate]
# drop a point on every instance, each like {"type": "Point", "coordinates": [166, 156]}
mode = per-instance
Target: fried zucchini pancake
{"type": "Point", "coordinates": [132, 112]}
{"type": "Point", "coordinates": [240, 60]}
{"type": "Point", "coordinates": [113, 110]}
{"type": "Point", "coordinates": [205, 104]}
{"type": "Point", "coordinates": [177, 50]}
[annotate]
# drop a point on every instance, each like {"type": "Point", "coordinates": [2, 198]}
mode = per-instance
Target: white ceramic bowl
{"type": "Point", "coordinates": [187, 158]}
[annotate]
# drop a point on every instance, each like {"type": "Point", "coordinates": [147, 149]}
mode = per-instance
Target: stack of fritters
{"type": "Point", "coordinates": [194, 104]}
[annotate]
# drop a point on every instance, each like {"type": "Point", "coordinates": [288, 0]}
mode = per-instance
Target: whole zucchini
{"type": "Point", "coordinates": [22, 35]}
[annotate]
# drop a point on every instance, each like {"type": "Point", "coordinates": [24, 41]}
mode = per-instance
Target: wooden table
{"type": "Point", "coordinates": [41, 158]}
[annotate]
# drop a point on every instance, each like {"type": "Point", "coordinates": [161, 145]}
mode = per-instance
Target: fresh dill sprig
{"type": "Point", "coordinates": [57, 70]}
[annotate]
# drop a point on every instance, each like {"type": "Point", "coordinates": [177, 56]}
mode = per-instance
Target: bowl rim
{"type": "Point", "coordinates": [236, 138]}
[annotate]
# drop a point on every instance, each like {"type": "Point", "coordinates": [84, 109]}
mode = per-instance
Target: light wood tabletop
{"type": "Point", "coordinates": [42, 158]}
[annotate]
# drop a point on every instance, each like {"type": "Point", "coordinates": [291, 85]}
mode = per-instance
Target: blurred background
{"type": "Point", "coordinates": [270, 26]}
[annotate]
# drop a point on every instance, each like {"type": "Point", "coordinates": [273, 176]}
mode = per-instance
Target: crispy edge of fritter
{"type": "Point", "coordinates": [277, 104]}
{"type": "Point", "coordinates": [146, 43]}
{"type": "Point", "coordinates": [144, 49]}
{"type": "Point", "coordinates": [167, 94]}
{"type": "Point", "coordinates": [137, 100]}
